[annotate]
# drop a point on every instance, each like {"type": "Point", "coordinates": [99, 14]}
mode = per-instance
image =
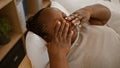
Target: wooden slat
{"type": "Point", "coordinates": [25, 63]}
{"type": "Point", "coordinates": [3, 3]}
{"type": "Point", "coordinates": [45, 3]}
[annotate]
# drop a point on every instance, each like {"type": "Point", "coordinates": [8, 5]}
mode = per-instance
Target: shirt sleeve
{"type": "Point", "coordinates": [114, 21]}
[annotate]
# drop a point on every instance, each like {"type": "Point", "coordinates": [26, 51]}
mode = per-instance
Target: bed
{"type": "Point", "coordinates": [35, 45]}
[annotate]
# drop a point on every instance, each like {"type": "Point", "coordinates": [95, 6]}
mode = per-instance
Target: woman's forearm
{"type": "Point", "coordinates": [58, 62]}
{"type": "Point", "coordinates": [96, 14]}
{"type": "Point", "coordinates": [99, 13]}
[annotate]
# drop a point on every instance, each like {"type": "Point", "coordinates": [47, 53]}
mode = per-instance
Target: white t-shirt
{"type": "Point", "coordinates": [114, 21]}
{"type": "Point", "coordinates": [113, 5]}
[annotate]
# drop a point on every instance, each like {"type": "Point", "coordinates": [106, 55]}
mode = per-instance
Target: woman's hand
{"type": "Point", "coordinates": [61, 42]}
{"type": "Point", "coordinates": [96, 14]}
{"type": "Point", "coordinates": [83, 15]}
{"type": "Point", "coordinates": [59, 46]}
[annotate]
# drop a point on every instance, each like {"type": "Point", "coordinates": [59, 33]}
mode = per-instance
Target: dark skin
{"type": "Point", "coordinates": [94, 15]}
{"type": "Point", "coordinates": [50, 17]}
{"type": "Point", "coordinates": [63, 41]}
{"type": "Point", "coordinates": [61, 33]}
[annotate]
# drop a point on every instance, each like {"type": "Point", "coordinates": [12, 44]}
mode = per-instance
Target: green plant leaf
{"type": "Point", "coordinates": [5, 27]}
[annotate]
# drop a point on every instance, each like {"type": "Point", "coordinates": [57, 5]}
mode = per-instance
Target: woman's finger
{"type": "Point", "coordinates": [84, 19]}
{"type": "Point", "coordinates": [57, 27]}
{"type": "Point", "coordinates": [75, 20]}
{"type": "Point", "coordinates": [75, 15]}
{"type": "Point", "coordinates": [61, 29]}
{"type": "Point", "coordinates": [71, 17]}
{"type": "Point", "coordinates": [78, 18]}
{"type": "Point", "coordinates": [65, 31]}
{"type": "Point", "coordinates": [69, 36]}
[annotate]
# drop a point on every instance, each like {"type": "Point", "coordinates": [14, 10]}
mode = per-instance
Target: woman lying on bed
{"type": "Point", "coordinates": [92, 46]}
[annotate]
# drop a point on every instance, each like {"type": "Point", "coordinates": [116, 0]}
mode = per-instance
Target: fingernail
{"type": "Point", "coordinates": [59, 22]}
{"type": "Point", "coordinates": [80, 26]}
{"type": "Point", "coordinates": [66, 18]}
{"type": "Point", "coordinates": [72, 32]}
{"type": "Point", "coordinates": [73, 21]}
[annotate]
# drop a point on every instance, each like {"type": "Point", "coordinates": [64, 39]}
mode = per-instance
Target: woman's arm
{"type": "Point", "coordinates": [58, 61]}
{"type": "Point", "coordinates": [99, 14]}
{"type": "Point", "coordinates": [95, 14]}
{"type": "Point", "coordinates": [59, 46]}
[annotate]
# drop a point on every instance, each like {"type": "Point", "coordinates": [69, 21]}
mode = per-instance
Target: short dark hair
{"type": "Point", "coordinates": [34, 25]}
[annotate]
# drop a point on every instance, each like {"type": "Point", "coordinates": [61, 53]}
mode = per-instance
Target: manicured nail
{"type": "Point", "coordinates": [80, 26]}
{"type": "Point", "coordinates": [72, 32]}
{"type": "Point", "coordinates": [73, 21]}
{"type": "Point", "coordinates": [66, 18]}
{"type": "Point", "coordinates": [59, 22]}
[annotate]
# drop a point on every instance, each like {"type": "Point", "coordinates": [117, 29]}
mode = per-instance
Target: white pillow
{"type": "Point", "coordinates": [60, 7]}
{"type": "Point", "coordinates": [36, 50]}
{"type": "Point", "coordinates": [72, 5]}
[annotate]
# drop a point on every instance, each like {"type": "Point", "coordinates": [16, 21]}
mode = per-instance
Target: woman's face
{"type": "Point", "coordinates": [49, 17]}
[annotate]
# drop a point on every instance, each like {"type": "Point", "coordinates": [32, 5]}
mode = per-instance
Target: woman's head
{"type": "Point", "coordinates": [44, 22]}
{"type": "Point", "coordinates": [33, 24]}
